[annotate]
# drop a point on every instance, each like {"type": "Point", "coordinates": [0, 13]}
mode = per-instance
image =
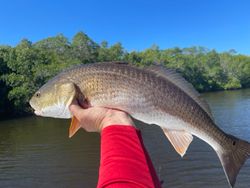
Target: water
{"type": "Point", "coordinates": [36, 152]}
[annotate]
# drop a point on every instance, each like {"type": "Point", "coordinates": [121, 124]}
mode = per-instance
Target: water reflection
{"type": "Point", "coordinates": [37, 152]}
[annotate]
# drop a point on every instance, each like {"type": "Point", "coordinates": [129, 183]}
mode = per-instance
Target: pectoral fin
{"type": "Point", "coordinates": [74, 126]}
{"type": "Point", "coordinates": [179, 139]}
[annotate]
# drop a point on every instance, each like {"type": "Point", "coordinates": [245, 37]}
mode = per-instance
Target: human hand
{"type": "Point", "coordinates": [95, 119]}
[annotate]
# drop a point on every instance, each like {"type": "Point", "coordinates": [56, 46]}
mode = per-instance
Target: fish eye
{"type": "Point", "coordinates": [38, 94]}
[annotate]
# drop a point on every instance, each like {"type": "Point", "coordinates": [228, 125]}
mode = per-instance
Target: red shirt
{"type": "Point", "coordinates": [124, 160]}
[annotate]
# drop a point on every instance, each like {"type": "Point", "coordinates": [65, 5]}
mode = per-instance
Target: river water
{"type": "Point", "coordinates": [36, 152]}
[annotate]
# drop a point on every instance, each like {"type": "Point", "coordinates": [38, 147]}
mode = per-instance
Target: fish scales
{"type": "Point", "coordinates": [160, 94]}
{"type": "Point", "coordinates": [103, 84]}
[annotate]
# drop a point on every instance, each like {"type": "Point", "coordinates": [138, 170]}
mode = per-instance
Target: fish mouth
{"type": "Point", "coordinates": [38, 113]}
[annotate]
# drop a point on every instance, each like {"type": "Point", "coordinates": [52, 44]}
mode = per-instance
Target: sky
{"type": "Point", "coordinates": [137, 24]}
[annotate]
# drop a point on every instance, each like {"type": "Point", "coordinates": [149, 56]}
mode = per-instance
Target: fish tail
{"type": "Point", "coordinates": [233, 158]}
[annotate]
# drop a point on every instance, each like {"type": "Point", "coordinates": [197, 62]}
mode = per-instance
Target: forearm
{"type": "Point", "coordinates": [124, 160]}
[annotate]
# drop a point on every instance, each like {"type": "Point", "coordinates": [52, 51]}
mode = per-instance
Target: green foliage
{"type": "Point", "coordinates": [112, 53]}
{"type": "Point", "coordinates": [233, 83]}
{"type": "Point", "coordinates": [5, 104]}
{"type": "Point", "coordinates": [27, 66]}
{"type": "Point", "coordinates": [84, 48]}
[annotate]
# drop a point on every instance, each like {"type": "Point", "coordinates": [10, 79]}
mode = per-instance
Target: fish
{"type": "Point", "coordinates": [153, 95]}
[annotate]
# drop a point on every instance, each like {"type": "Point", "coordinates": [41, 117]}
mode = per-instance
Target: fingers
{"type": "Point", "coordinates": [82, 115]}
{"type": "Point", "coordinates": [94, 119]}
{"type": "Point", "coordinates": [86, 117]}
{"type": "Point", "coordinates": [76, 110]}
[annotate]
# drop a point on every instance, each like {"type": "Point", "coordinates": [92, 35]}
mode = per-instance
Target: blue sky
{"type": "Point", "coordinates": [137, 24]}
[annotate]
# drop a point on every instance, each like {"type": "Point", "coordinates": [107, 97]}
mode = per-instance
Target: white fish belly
{"type": "Point", "coordinates": [164, 120]}
{"type": "Point", "coordinates": [170, 122]}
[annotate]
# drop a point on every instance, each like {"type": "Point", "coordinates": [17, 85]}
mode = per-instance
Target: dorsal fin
{"type": "Point", "coordinates": [180, 82]}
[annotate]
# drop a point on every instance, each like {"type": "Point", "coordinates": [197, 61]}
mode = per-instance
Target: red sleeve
{"type": "Point", "coordinates": [124, 160]}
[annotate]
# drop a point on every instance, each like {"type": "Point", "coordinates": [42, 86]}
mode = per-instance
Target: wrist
{"type": "Point", "coordinates": [116, 118]}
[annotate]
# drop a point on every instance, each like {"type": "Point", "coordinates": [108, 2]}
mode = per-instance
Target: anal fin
{"type": "Point", "coordinates": [179, 139]}
{"type": "Point", "coordinates": [74, 126]}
